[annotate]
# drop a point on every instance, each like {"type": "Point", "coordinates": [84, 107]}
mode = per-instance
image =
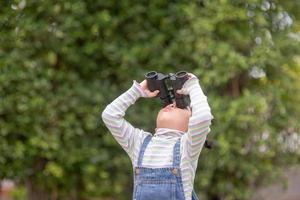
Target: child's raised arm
{"type": "Point", "coordinates": [113, 117]}
{"type": "Point", "coordinates": [199, 122]}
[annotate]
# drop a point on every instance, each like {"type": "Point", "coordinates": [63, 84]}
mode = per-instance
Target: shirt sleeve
{"type": "Point", "coordinates": [199, 122]}
{"type": "Point", "coordinates": [113, 117]}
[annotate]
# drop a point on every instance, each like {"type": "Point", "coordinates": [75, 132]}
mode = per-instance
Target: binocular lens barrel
{"type": "Point", "coordinates": [181, 74]}
{"type": "Point", "coordinates": [151, 74]}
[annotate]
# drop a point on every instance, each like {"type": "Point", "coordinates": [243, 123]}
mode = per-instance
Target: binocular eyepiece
{"type": "Point", "coordinates": [168, 84]}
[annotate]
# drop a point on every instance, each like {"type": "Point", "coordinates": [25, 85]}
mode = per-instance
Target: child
{"type": "Point", "coordinates": [164, 163]}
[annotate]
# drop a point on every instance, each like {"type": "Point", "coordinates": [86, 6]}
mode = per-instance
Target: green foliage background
{"type": "Point", "coordinates": [62, 62]}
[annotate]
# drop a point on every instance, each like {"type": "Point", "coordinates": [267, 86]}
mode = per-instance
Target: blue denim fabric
{"type": "Point", "coordinates": [159, 183]}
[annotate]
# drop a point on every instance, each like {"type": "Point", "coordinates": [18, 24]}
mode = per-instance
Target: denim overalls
{"type": "Point", "coordinates": [159, 183]}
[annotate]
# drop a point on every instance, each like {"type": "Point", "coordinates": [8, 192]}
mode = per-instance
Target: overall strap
{"type": "Point", "coordinates": [176, 153]}
{"type": "Point", "coordinates": [142, 150]}
{"type": "Point", "coordinates": [194, 195]}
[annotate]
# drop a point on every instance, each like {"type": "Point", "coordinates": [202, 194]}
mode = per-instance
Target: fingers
{"type": "Point", "coordinates": [180, 91]}
{"type": "Point", "coordinates": [152, 94]}
{"type": "Point", "coordinates": [191, 75]}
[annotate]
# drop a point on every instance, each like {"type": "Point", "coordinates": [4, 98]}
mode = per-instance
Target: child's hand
{"type": "Point", "coordinates": [183, 89]}
{"type": "Point", "coordinates": [191, 76]}
{"type": "Point", "coordinates": [149, 94]}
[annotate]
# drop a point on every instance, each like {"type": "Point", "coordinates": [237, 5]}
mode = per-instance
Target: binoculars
{"type": "Point", "coordinates": [168, 84]}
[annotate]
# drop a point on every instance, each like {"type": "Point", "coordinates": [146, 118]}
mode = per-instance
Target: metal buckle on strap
{"type": "Point", "coordinates": [137, 171]}
{"type": "Point", "coordinates": [175, 171]}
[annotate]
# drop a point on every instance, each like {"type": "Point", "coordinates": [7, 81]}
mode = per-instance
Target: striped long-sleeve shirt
{"type": "Point", "coordinates": [160, 150]}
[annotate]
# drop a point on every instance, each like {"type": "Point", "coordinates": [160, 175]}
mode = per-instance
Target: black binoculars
{"type": "Point", "coordinates": [168, 84]}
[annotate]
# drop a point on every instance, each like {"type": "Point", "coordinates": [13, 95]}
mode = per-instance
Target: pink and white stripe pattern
{"type": "Point", "coordinates": [160, 149]}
